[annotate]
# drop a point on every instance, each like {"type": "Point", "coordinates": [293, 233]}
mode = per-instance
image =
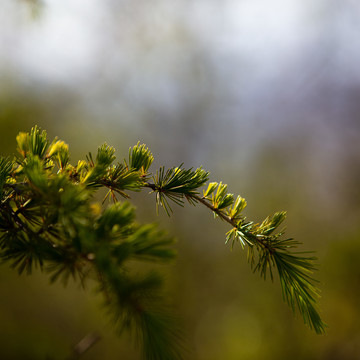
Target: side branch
{"type": "Point", "coordinates": [260, 239]}
{"type": "Point", "coordinates": [215, 210]}
{"type": "Point", "coordinates": [202, 200]}
{"type": "Point", "coordinates": [266, 251]}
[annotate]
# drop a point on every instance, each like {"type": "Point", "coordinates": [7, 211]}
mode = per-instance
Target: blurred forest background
{"type": "Point", "coordinates": [264, 95]}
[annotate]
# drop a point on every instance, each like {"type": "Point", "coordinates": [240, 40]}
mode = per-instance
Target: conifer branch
{"type": "Point", "coordinates": [294, 270]}
{"type": "Point", "coordinates": [215, 210]}
{"type": "Point", "coordinates": [48, 220]}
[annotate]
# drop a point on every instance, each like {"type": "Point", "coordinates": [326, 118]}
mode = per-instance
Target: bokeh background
{"type": "Point", "coordinates": [264, 95]}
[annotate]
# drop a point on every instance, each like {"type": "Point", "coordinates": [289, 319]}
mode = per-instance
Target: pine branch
{"type": "Point", "coordinates": [294, 270]}
{"type": "Point", "coordinates": [49, 220]}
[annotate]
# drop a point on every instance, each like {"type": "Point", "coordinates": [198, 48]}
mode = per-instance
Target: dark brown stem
{"type": "Point", "coordinates": [204, 202]}
{"type": "Point", "coordinates": [215, 210]}
{"type": "Point", "coordinates": [261, 240]}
